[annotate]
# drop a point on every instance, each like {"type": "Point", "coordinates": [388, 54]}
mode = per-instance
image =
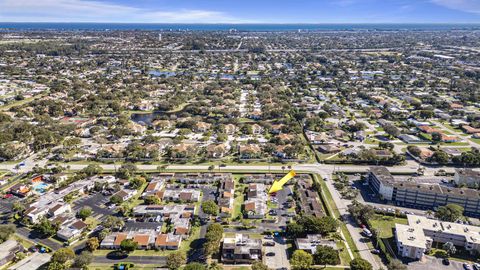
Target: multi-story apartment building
{"type": "Point", "coordinates": [468, 177]}
{"type": "Point", "coordinates": [417, 237]}
{"type": "Point", "coordinates": [423, 196]}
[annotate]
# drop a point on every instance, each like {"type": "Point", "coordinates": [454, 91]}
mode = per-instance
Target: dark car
{"type": "Point", "coordinates": [446, 261]}
{"type": "Point", "coordinates": [269, 244]}
{"type": "Point", "coordinates": [270, 254]}
{"type": "Point", "coordinates": [375, 251]}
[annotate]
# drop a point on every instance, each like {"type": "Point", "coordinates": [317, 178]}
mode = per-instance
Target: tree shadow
{"type": "Point", "coordinates": [116, 255]}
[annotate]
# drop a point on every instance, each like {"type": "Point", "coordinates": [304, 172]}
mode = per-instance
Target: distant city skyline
{"type": "Point", "coordinates": [245, 11]}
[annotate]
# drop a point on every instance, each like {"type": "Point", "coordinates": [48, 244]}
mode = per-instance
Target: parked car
{"type": "Point", "coordinates": [270, 254]}
{"type": "Point", "coordinates": [269, 244]}
{"type": "Point", "coordinates": [476, 266]}
{"type": "Point", "coordinates": [467, 266]}
{"type": "Point", "coordinates": [375, 251]}
{"type": "Point", "coordinates": [446, 261]}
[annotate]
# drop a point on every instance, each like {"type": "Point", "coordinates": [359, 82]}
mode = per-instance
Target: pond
{"type": "Point", "coordinates": [158, 73]}
{"type": "Point", "coordinates": [146, 118]}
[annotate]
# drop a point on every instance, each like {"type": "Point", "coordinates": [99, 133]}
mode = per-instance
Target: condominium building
{"type": "Point", "coordinates": [469, 177]}
{"type": "Point", "coordinates": [414, 239]}
{"type": "Point", "coordinates": [422, 196]}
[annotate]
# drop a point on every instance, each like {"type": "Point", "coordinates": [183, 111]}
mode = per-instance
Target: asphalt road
{"type": "Point", "coordinates": [353, 229]}
{"type": "Point", "coordinates": [32, 236]}
{"type": "Point", "coordinates": [160, 260]}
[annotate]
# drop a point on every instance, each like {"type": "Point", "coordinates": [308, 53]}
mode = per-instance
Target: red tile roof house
{"type": "Point", "coordinates": [448, 139]}
{"type": "Point", "coordinates": [143, 241]}
{"type": "Point", "coordinates": [428, 130]}
{"type": "Point", "coordinates": [470, 130]}
{"type": "Point", "coordinates": [168, 241]}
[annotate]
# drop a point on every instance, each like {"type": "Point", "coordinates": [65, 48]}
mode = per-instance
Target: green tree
{"type": "Point", "coordinates": [128, 245]}
{"type": "Point", "coordinates": [116, 199]}
{"type": "Point", "coordinates": [56, 266]}
{"type": "Point", "coordinates": [395, 264]}
{"type": "Point", "coordinates": [450, 248]}
{"type": "Point", "coordinates": [176, 260]}
{"type": "Point", "coordinates": [85, 212]}
{"type": "Point", "coordinates": [45, 227]}
{"type": "Point", "coordinates": [6, 231]}
{"type": "Point", "coordinates": [414, 150]}
{"type": "Point", "coordinates": [126, 171]}
{"type": "Point", "coordinates": [440, 157]}
{"type": "Point", "coordinates": [92, 169]}
{"type": "Point", "coordinates": [92, 243]}
{"type": "Point", "coordinates": [360, 264]}
{"type": "Point", "coordinates": [326, 255]}
{"type": "Point", "coordinates": [83, 260]}
{"type": "Point", "coordinates": [215, 266]}
{"type": "Point", "coordinates": [436, 137]}
{"type": "Point", "coordinates": [258, 265]}
{"type": "Point", "coordinates": [63, 255]}
{"type": "Point", "coordinates": [113, 223]}
{"type": "Point", "coordinates": [210, 207]}
{"type": "Point", "coordinates": [137, 182]}
{"type": "Point", "coordinates": [301, 260]}
{"type": "Point", "coordinates": [213, 236]}
{"type": "Point", "coordinates": [152, 199]}
{"type": "Point", "coordinates": [449, 212]}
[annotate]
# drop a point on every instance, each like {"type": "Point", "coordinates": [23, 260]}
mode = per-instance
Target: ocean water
{"type": "Point", "coordinates": [6, 26]}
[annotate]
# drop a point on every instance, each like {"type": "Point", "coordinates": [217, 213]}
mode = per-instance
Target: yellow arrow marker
{"type": "Point", "coordinates": [278, 185]}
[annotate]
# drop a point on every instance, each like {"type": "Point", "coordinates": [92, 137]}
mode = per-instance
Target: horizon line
{"type": "Point", "coordinates": [253, 23]}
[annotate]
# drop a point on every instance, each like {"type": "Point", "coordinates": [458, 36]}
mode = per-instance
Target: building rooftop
{"type": "Point", "coordinates": [411, 236]}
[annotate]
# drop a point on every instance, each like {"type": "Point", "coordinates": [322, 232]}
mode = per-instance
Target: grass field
{"type": "Point", "coordinates": [385, 224]}
{"type": "Point", "coordinates": [332, 209]}
{"type": "Point", "coordinates": [475, 140]}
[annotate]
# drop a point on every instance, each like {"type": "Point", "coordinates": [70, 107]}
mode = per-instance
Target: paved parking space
{"type": "Point", "coordinates": [280, 259]}
{"type": "Point", "coordinates": [136, 226]}
{"type": "Point", "coordinates": [432, 263]}
{"type": "Point", "coordinates": [6, 204]}
{"type": "Point", "coordinates": [96, 202]}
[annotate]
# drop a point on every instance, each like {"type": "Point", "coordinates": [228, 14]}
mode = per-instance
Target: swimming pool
{"type": "Point", "coordinates": [40, 187]}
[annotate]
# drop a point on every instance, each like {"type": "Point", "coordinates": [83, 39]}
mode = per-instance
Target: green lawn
{"type": "Point", "coordinates": [184, 247]}
{"type": "Point", "coordinates": [385, 224]}
{"type": "Point", "coordinates": [475, 140]}
{"type": "Point", "coordinates": [238, 200]}
{"type": "Point", "coordinates": [332, 209]}
{"type": "Point", "coordinates": [461, 255]}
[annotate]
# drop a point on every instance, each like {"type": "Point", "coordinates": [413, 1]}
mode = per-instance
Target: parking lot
{"type": "Point", "coordinates": [432, 263]}
{"type": "Point", "coordinates": [97, 203]}
{"type": "Point", "coordinates": [6, 204]}
{"type": "Point", "coordinates": [279, 257]}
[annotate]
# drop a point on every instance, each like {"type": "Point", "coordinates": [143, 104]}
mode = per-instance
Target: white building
{"type": "Point", "coordinates": [416, 237]}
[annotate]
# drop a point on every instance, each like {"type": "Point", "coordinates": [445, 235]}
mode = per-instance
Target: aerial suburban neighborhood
{"type": "Point", "coordinates": [179, 149]}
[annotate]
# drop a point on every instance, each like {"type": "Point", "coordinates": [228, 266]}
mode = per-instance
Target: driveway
{"type": "Point", "coordinates": [280, 258]}
{"type": "Point", "coordinates": [432, 263]}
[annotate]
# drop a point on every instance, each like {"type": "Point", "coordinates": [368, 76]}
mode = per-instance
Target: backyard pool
{"type": "Point", "coordinates": [40, 187]}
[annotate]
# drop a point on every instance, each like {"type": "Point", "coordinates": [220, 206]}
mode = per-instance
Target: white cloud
{"type": "Point", "coordinates": [471, 6]}
{"type": "Point", "coordinates": [96, 11]}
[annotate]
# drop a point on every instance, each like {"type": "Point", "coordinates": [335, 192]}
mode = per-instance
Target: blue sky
{"type": "Point", "coordinates": [242, 11]}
